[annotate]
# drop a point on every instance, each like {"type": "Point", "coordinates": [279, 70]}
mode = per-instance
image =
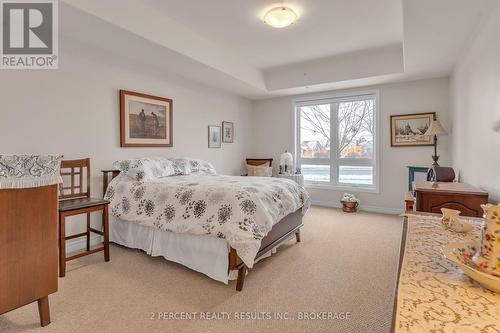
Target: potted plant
{"type": "Point", "coordinates": [349, 203]}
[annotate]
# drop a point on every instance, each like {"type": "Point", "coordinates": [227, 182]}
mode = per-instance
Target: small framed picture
{"type": "Point", "coordinates": [145, 120]}
{"type": "Point", "coordinates": [214, 136]}
{"type": "Point", "coordinates": [227, 132]}
{"type": "Point", "coordinates": [409, 129]}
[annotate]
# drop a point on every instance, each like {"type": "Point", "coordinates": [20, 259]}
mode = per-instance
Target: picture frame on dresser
{"type": "Point", "coordinates": [145, 120]}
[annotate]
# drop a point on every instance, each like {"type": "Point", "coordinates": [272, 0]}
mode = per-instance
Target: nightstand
{"type": "Point", "coordinates": [298, 178]}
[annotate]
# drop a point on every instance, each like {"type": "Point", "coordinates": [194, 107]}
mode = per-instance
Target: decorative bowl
{"type": "Point", "coordinates": [461, 254]}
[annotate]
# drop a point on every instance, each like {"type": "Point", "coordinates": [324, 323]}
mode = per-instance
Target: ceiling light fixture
{"type": "Point", "coordinates": [280, 17]}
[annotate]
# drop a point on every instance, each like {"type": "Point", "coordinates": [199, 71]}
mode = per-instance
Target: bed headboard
{"type": "Point", "coordinates": [106, 178]}
{"type": "Point", "coordinates": [260, 161]}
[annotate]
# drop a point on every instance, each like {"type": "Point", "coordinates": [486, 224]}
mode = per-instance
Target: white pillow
{"type": "Point", "coordinates": [181, 166]}
{"type": "Point", "coordinates": [193, 165]}
{"type": "Point", "coordinates": [146, 168]}
{"type": "Point", "coordinates": [259, 170]}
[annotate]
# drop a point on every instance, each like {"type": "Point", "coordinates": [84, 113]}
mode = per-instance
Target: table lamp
{"type": "Point", "coordinates": [286, 162]}
{"type": "Point", "coordinates": [435, 129]}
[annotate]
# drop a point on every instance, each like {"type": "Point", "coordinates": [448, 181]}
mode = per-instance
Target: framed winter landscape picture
{"type": "Point", "coordinates": [145, 120]}
{"type": "Point", "coordinates": [409, 129]}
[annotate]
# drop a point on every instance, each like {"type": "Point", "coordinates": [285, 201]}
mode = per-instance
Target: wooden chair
{"type": "Point", "coordinates": [75, 200]}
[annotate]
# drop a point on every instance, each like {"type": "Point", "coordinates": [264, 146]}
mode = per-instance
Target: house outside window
{"type": "Point", "coordinates": [336, 141]}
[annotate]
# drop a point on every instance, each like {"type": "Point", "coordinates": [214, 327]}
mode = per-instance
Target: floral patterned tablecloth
{"type": "Point", "coordinates": [433, 293]}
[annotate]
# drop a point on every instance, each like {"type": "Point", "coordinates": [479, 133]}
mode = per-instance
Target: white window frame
{"type": "Point", "coordinates": [333, 161]}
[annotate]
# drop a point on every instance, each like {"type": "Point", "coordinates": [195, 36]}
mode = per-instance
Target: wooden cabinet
{"type": "Point", "coordinates": [28, 248]}
{"type": "Point", "coordinates": [463, 197]}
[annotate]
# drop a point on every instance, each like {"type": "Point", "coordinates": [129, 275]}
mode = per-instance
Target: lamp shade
{"type": "Point", "coordinates": [286, 158]}
{"type": "Point", "coordinates": [436, 129]}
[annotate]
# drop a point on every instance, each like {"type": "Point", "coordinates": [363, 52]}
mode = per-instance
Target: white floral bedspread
{"type": "Point", "coordinates": [241, 210]}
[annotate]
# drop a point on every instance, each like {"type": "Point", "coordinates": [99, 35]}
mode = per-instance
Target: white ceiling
{"type": "Point", "coordinates": [334, 44]}
{"type": "Point", "coordinates": [325, 27]}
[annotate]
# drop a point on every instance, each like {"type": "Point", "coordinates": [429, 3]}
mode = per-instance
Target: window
{"type": "Point", "coordinates": [336, 140]}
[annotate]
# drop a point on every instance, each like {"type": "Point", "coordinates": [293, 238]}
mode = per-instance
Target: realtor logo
{"type": "Point", "coordinates": [29, 37]}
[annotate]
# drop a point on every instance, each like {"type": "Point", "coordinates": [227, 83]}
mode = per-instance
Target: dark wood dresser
{"type": "Point", "coordinates": [460, 196]}
{"type": "Point", "coordinates": [28, 248]}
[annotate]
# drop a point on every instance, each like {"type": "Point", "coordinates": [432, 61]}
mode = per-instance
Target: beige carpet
{"type": "Point", "coordinates": [345, 263]}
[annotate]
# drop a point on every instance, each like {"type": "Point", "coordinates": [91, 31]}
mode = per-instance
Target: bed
{"type": "Point", "coordinates": [215, 224]}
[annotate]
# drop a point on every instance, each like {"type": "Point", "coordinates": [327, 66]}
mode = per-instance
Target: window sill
{"type": "Point", "coordinates": [349, 188]}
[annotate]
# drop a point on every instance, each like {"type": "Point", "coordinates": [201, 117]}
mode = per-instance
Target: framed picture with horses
{"type": "Point", "coordinates": [145, 120]}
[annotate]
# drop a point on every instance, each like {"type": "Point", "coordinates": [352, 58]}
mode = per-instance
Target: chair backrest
{"type": "Point", "coordinates": [441, 174]}
{"type": "Point", "coordinates": [76, 179]}
{"type": "Point", "coordinates": [260, 161]}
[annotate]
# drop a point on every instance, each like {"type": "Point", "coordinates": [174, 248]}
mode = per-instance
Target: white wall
{"type": "Point", "coordinates": [273, 134]}
{"type": "Point", "coordinates": [475, 87]}
{"type": "Point", "coordinates": [75, 111]}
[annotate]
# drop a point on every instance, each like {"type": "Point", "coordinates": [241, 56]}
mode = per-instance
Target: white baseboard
{"type": "Point", "coordinates": [372, 209]}
{"type": "Point", "coordinates": [79, 244]}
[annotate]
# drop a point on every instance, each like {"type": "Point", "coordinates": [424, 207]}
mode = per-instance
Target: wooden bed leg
{"type": "Point", "coordinates": [242, 272]}
{"type": "Point", "coordinates": [43, 311]}
{"type": "Point", "coordinates": [297, 236]}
